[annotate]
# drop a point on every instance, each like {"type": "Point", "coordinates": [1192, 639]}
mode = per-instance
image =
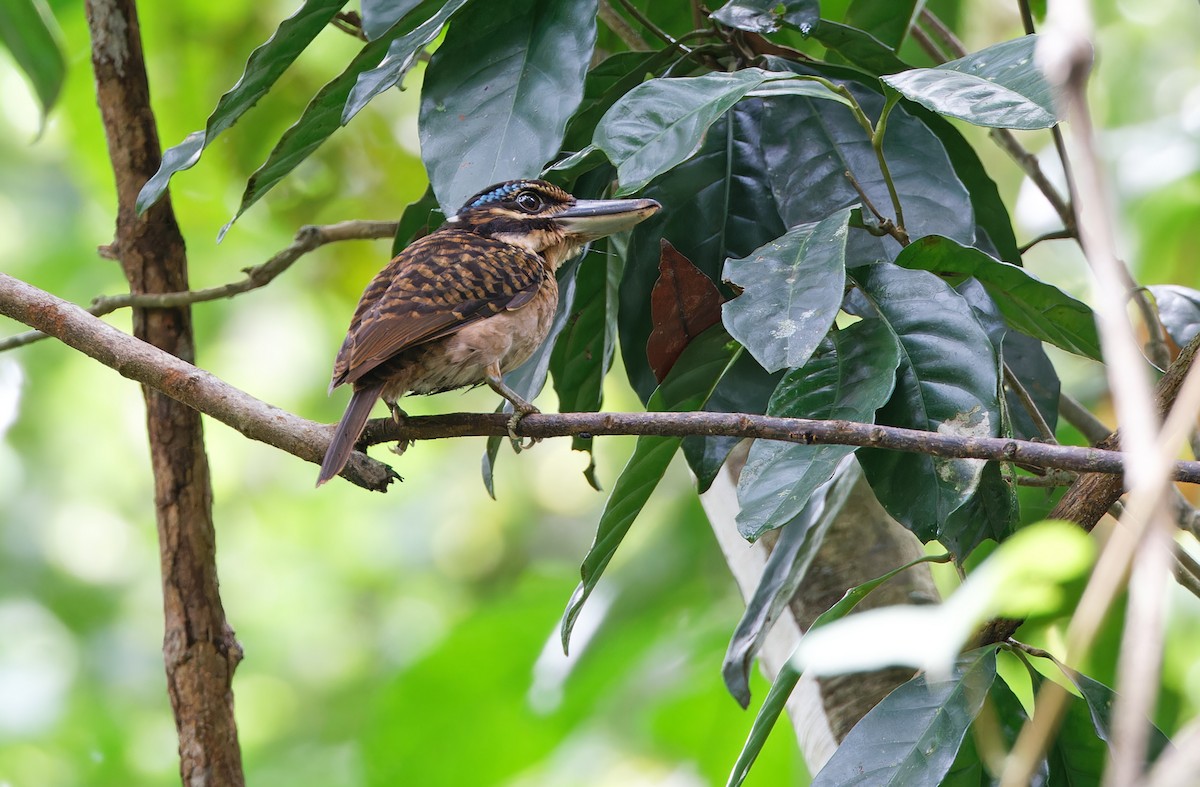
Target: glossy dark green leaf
{"type": "Point", "coordinates": [1037, 375]}
{"type": "Point", "coordinates": [529, 378]}
{"type": "Point", "coordinates": [662, 122]}
{"type": "Point", "coordinates": [792, 289]}
{"type": "Point", "coordinates": [766, 16]}
{"type": "Point", "coordinates": [1099, 700]}
{"type": "Point", "coordinates": [913, 735]}
{"type": "Point", "coordinates": [790, 558]}
{"type": "Point", "coordinates": [968, 770]}
{"type": "Point", "coordinates": [993, 226]}
{"type": "Point", "coordinates": [716, 205]}
{"type": "Point", "coordinates": [858, 47]}
{"type": "Point", "coordinates": [499, 90]}
{"type": "Point", "coordinates": [998, 87]}
{"type": "Point", "coordinates": [320, 119]}
{"type": "Point", "coordinates": [810, 145]}
{"type": "Point", "coordinates": [992, 512]}
{"type": "Point", "coordinates": [1077, 756]}
{"type": "Point", "coordinates": [264, 66]}
{"type": "Point", "coordinates": [28, 31]}
{"type": "Point", "coordinates": [1179, 311]}
{"type": "Point", "coordinates": [607, 82]}
{"type": "Point", "coordinates": [400, 57]}
{"type": "Point", "coordinates": [418, 220]}
{"type": "Point", "coordinates": [886, 20]}
{"type": "Point", "coordinates": [584, 350]}
{"type": "Point", "coordinates": [947, 382]}
{"type": "Point", "coordinates": [849, 377]}
{"type": "Point", "coordinates": [690, 382]}
{"type": "Point", "coordinates": [764, 721]}
{"type": "Point", "coordinates": [379, 15]}
{"type": "Point", "coordinates": [1034, 307]}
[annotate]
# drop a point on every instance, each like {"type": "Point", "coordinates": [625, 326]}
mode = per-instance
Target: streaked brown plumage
{"type": "Point", "coordinates": [467, 303]}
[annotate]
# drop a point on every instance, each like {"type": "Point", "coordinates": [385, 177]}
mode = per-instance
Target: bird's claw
{"type": "Point", "coordinates": [518, 442]}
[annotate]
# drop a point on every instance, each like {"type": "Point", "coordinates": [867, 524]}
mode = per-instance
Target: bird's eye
{"type": "Point", "coordinates": [529, 201]}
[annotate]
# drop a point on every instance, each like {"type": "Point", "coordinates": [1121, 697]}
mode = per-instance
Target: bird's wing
{"type": "Point", "coordinates": [432, 289]}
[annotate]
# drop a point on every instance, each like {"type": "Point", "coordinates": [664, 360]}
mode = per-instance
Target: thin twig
{"type": "Point", "coordinates": [886, 225]}
{"type": "Point", "coordinates": [1014, 385]}
{"type": "Point", "coordinates": [928, 45]}
{"type": "Point", "coordinates": [307, 239]}
{"type": "Point", "coordinates": [1156, 336]}
{"type": "Point", "coordinates": [1063, 234]}
{"type": "Point", "coordinates": [1033, 170]}
{"type": "Point", "coordinates": [1050, 479]}
{"type": "Point", "coordinates": [620, 28]}
{"type": "Point", "coordinates": [944, 33]}
{"type": "Point", "coordinates": [351, 23]}
{"type": "Point", "coordinates": [1026, 17]}
{"type": "Point", "coordinates": [645, 22]}
{"type": "Point", "coordinates": [1078, 416]}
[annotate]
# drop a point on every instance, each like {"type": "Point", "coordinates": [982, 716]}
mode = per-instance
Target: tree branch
{"type": "Point", "coordinates": [307, 440]}
{"type": "Point", "coordinates": [307, 239]}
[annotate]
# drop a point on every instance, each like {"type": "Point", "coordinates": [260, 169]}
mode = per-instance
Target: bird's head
{"type": "Point", "coordinates": [543, 218]}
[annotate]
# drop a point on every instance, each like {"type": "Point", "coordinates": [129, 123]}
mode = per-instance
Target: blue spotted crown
{"type": "Point", "coordinates": [498, 193]}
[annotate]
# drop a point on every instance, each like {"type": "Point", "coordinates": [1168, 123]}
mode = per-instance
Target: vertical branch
{"type": "Point", "coordinates": [199, 648]}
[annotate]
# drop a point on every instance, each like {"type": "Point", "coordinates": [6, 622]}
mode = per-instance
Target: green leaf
{"type": "Point", "coordinates": [720, 206]}
{"type": "Point", "coordinates": [29, 32]}
{"type": "Point", "coordinates": [662, 123]}
{"type": "Point", "coordinates": [809, 147]}
{"type": "Point", "coordinates": [947, 382]}
{"type": "Point", "coordinates": [607, 82]}
{"type": "Point", "coordinates": [1178, 310]}
{"type": "Point", "coordinates": [1099, 700]}
{"type": "Point", "coordinates": [968, 769]}
{"type": "Point", "coordinates": [997, 87]}
{"type": "Point", "coordinates": [529, 378]}
{"type": "Point", "coordinates": [320, 119]}
{"type": "Point", "coordinates": [792, 289]}
{"type": "Point", "coordinates": [400, 57]}
{"type": "Point", "coordinates": [418, 220]}
{"type": "Point", "coordinates": [1034, 307]}
{"type": "Point", "coordinates": [855, 595]}
{"type": "Point", "coordinates": [584, 350]}
{"type": "Point", "coordinates": [1028, 361]}
{"type": "Point", "coordinates": [1077, 756]}
{"type": "Point", "coordinates": [764, 721]}
{"type": "Point", "coordinates": [858, 47]}
{"type": "Point", "coordinates": [790, 558]}
{"type": "Point", "coordinates": [499, 90]}
{"type": "Point", "coordinates": [913, 735]}
{"type": "Point", "coordinates": [849, 377]}
{"type": "Point", "coordinates": [379, 15]}
{"type": "Point", "coordinates": [886, 20]}
{"type": "Point", "coordinates": [263, 68]}
{"type": "Point", "coordinates": [689, 384]}
{"type": "Point", "coordinates": [766, 16]}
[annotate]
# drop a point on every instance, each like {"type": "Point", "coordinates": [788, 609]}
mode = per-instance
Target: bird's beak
{"type": "Point", "coordinates": [589, 219]}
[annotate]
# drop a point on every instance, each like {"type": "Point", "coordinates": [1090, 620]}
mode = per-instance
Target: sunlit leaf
{"type": "Point", "coordinates": [499, 90]}
{"type": "Point", "coordinates": [999, 87]}
{"type": "Point", "coordinates": [791, 290]}
{"type": "Point", "coordinates": [849, 377]}
{"type": "Point", "coordinates": [263, 68]}
{"type": "Point", "coordinates": [29, 32]}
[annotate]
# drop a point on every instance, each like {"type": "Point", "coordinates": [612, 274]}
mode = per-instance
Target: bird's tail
{"type": "Point", "coordinates": [348, 431]}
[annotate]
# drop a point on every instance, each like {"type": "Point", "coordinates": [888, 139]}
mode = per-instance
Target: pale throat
{"type": "Point", "coordinates": [551, 246]}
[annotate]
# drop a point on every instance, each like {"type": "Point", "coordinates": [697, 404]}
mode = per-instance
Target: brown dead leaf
{"type": "Point", "coordinates": [683, 304]}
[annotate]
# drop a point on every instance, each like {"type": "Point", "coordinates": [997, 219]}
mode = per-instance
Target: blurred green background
{"type": "Point", "coordinates": [409, 637]}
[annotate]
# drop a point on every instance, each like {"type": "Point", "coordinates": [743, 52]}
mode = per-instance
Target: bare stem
{"type": "Point", "coordinates": [307, 239]}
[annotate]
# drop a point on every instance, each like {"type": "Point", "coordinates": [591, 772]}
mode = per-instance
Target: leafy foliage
{"type": "Point", "coordinates": [862, 252]}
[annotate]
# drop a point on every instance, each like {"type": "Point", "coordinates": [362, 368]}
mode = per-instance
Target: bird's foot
{"type": "Point", "coordinates": [518, 442]}
{"type": "Point", "coordinates": [398, 416]}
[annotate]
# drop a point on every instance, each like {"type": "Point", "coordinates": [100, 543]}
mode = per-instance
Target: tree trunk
{"type": "Point", "coordinates": [199, 648]}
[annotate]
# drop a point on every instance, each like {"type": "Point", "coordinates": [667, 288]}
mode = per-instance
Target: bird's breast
{"type": "Point", "coordinates": [509, 338]}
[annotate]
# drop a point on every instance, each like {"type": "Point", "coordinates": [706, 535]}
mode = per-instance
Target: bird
{"type": "Point", "coordinates": [467, 303]}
